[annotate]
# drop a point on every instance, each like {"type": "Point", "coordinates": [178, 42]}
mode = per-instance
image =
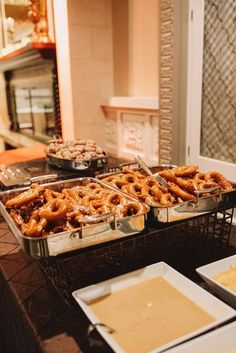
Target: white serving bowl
{"type": "Point", "coordinates": [207, 272]}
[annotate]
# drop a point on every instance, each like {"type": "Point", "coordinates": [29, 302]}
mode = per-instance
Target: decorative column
{"type": "Point", "coordinates": [11, 103]}
{"type": "Point", "coordinates": [56, 100]}
{"type": "Point", "coordinates": [166, 81]}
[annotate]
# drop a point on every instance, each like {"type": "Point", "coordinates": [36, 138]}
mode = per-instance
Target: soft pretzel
{"type": "Point", "coordinates": [134, 208]}
{"type": "Point", "coordinates": [36, 225]}
{"type": "Point", "coordinates": [136, 190]}
{"type": "Point", "coordinates": [119, 183]}
{"type": "Point", "coordinates": [176, 190]}
{"type": "Point", "coordinates": [167, 200]}
{"type": "Point", "coordinates": [93, 186]}
{"type": "Point", "coordinates": [199, 176]}
{"type": "Point", "coordinates": [187, 184]}
{"type": "Point", "coordinates": [99, 207]}
{"type": "Point", "coordinates": [41, 211]}
{"type": "Point", "coordinates": [54, 210]}
{"type": "Point", "coordinates": [185, 170]}
{"type": "Point", "coordinates": [168, 175]}
{"type": "Point", "coordinates": [129, 178]}
{"type": "Point", "coordinates": [24, 198]}
{"type": "Point", "coordinates": [219, 179]}
{"type": "Point", "coordinates": [110, 179]}
{"type": "Point", "coordinates": [115, 199]}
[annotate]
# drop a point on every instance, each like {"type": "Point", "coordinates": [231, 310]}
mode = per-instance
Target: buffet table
{"type": "Point", "coordinates": [37, 311]}
{"type": "Point", "coordinates": [35, 319]}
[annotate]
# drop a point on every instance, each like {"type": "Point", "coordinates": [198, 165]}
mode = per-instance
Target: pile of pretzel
{"type": "Point", "coordinates": [79, 149]}
{"type": "Point", "coordinates": [40, 211]}
{"type": "Point", "coordinates": [182, 184]}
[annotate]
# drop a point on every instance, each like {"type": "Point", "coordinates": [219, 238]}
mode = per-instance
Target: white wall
{"type": "Point", "coordinates": [136, 47]}
{"type": "Point", "coordinates": [85, 65]}
{"type": "Point", "coordinates": [104, 48]}
{"type": "Point", "coordinates": [143, 47]}
{"type": "Point", "coordinates": [64, 68]}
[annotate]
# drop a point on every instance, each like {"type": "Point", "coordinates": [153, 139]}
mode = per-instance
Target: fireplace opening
{"type": "Point", "coordinates": [33, 100]}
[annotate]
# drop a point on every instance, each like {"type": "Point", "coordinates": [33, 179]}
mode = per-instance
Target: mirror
{"type": "Point", "coordinates": [15, 21]}
{"type": "Point", "coordinates": [23, 21]}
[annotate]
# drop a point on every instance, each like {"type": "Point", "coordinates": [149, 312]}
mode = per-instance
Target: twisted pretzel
{"type": "Point", "coordinates": [25, 197]}
{"type": "Point", "coordinates": [36, 225]}
{"type": "Point", "coordinates": [54, 210]}
{"type": "Point", "coordinates": [186, 170]}
{"type": "Point", "coordinates": [219, 179]}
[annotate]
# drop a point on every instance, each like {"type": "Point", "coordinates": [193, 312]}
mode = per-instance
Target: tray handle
{"type": "Point", "coordinates": [128, 164]}
{"type": "Point", "coordinates": [91, 219]}
{"type": "Point", "coordinates": [203, 191]}
{"type": "Point", "coordinates": [41, 178]}
{"type": "Point", "coordinates": [102, 217]}
{"type": "Point", "coordinates": [195, 203]}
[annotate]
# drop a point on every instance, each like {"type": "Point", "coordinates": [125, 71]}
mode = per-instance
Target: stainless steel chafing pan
{"type": "Point", "coordinates": [199, 206]}
{"type": "Point", "coordinates": [109, 229]}
{"type": "Point", "coordinates": [188, 209]}
{"type": "Point", "coordinates": [76, 164]}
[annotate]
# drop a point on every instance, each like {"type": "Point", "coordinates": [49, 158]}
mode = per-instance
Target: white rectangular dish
{"type": "Point", "coordinates": [207, 302]}
{"type": "Point", "coordinates": [207, 272]}
{"type": "Point", "coordinates": [221, 340]}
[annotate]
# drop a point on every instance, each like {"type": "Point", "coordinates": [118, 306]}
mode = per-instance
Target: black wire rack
{"type": "Point", "coordinates": [184, 246]}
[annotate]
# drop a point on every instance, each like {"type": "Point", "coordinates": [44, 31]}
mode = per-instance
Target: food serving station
{"type": "Point", "coordinates": [80, 216]}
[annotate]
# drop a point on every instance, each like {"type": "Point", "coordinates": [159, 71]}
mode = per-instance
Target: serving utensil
{"type": "Point", "coordinates": [156, 176]}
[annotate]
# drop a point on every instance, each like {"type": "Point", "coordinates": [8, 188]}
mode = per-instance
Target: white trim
{"type": "Point", "coordinates": [134, 102]}
{"type": "Point", "coordinates": [194, 78]}
{"type": "Point", "coordinates": [64, 68]}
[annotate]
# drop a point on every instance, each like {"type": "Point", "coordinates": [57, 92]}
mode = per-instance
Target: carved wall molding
{"type": "Point", "coordinates": [132, 138]}
{"type": "Point", "coordinates": [132, 131]}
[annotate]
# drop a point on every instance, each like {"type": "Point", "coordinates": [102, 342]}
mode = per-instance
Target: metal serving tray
{"type": "Point", "coordinates": [77, 164]}
{"type": "Point", "coordinates": [134, 166]}
{"type": "Point", "coordinates": [194, 208]}
{"type": "Point", "coordinates": [188, 209]}
{"type": "Point", "coordinates": [110, 229]}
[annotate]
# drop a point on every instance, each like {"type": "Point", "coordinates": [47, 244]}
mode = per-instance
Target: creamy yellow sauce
{"type": "Point", "coordinates": [227, 278]}
{"type": "Point", "coordinates": [148, 315]}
